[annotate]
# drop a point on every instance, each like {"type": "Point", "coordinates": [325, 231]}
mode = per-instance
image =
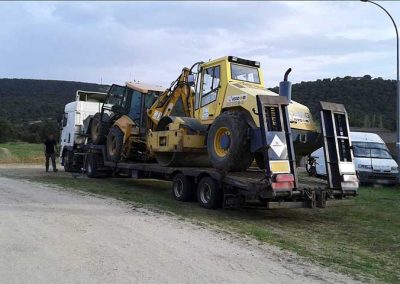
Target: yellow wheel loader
{"type": "Point", "coordinates": [209, 116]}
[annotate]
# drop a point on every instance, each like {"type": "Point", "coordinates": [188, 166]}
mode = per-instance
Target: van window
{"type": "Point", "coordinates": [371, 150]}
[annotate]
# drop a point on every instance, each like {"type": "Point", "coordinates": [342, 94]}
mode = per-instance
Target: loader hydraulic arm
{"type": "Point", "coordinates": [180, 92]}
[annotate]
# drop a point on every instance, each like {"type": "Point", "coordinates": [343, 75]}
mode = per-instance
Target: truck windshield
{"type": "Point", "coordinates": [245, 73]}
{"type": "Point", "coordinates": [371, 150]}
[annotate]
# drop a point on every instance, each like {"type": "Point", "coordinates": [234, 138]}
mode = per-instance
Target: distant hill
{"type": "Point", "coordinates": [29, 109]}
{"type": "Point", "coordinates": [369, 102]}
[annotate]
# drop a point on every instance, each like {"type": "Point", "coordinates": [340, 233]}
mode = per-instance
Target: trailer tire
{"type": "Point", "coordinates": [209, 194]}
{"type": "Point", "coordinates": [91, 166]}
{"type": "Point", "coordinates": [182, 188]}
{"type": "Point", "coordinates": [68, 161]}
{"type": "Point", "coordinates": [99, 128]}
{"type": "Point", "coordinates": [115, 141]}
{"type": "Point", "coordinates": [228, 146]}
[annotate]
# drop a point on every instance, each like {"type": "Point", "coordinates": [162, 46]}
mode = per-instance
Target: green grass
{"type": "Point", "coordinates": [362, 239]}
{"type": "Point", "coordinates": [19, 152]}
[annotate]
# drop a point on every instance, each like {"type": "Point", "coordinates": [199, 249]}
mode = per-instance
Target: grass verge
{"type": "Point", "coordinates": [361, 239]}
{"type": "Point", "coordinates": [18, 152]}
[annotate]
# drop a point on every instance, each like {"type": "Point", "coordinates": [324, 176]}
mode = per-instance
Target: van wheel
{"type": "Point", "coordinates": [182, 188]}
{"type": "Point", "coordinates": [209, 194]}
{"type": "Point", "coordinates": [91, 166]}
{"type": "Point", "coordinates": [68, 161]}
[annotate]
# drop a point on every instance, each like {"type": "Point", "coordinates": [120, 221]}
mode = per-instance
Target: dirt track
{"type": "Point", "coordinates": [52, 235]}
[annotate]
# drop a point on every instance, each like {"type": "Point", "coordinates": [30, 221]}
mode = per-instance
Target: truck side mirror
{"type": "Point", "coordinates": [191, 80]}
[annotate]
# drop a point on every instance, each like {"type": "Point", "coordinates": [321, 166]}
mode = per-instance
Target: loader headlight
{"type": "Point", "coordinates": [367, 167]}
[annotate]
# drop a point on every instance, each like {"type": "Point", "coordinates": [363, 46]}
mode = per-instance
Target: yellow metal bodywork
{"type": "Point", "coordinates": [231, 94]}
{"type": "Point", "coordinates": [175, 140]}
{"type": "Point", "coordinates": [127, 126]}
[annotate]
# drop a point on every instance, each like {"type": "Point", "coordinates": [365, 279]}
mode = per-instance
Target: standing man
{"type": "Point", "coordinates": [50, 147]}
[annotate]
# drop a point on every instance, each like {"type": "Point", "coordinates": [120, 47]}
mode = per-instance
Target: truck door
{"type": "Point", "coordinates": [207, 92]}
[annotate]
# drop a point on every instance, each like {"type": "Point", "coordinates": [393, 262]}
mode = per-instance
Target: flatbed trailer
{"type": "Point", "coordinates": [231, 189]}
{"type": "Point", "coordinates": [213, 188]}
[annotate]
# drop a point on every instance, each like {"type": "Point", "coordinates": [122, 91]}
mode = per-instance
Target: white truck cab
{"type": "Point", "coordinates": [86, 104]}
{"type": "Point", "coordinates": [372, 159]}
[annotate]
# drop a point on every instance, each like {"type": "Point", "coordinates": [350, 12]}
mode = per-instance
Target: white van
{"type": "Point", "coordinates": [372, 159]}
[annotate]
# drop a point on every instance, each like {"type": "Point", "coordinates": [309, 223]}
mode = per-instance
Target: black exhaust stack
{"type": "Point", "coordinates": [285, 87]}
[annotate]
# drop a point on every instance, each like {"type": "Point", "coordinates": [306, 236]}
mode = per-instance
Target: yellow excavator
{"type": "Point", "coordinates": [207, 117]}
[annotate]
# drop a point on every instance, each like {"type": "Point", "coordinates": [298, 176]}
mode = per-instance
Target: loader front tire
{"type": "Point", "coordinates": [115, 141]}
{"type": "Point", "coordinates": [99, 128]}
{"type": "Point", "coordinates": [227, 143]}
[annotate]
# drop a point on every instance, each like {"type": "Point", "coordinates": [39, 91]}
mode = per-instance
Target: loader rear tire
{"type": "Point", "coordinates": [227, 143]}
{"type": "Point", "coordinates": [99, 128]}
{"type": "Point", "coordinates": [115, 141]}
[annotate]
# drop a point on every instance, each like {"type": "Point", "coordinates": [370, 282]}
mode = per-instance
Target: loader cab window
{"type": "Point", "coordinates": [210, 85]}
{"type": "Point", "coordinates": [149, 100]}
{"type": "Point", "coordinates": [116, 97]}
{"type": "Point", "coordinates": [135, 106]}
{"type": "Point", "coordinates": [245, 73]}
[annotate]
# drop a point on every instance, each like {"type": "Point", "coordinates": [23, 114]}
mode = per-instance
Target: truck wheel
{"type": "Point", "coordinates": [182, 188]}
{"type": "Point", "coordinates": [209, 194]}
{"type": "Point", "coordinates": [227, 143]}
{"type": "Point", "coordinates": [91, 166]}
{"type": "Point", "coordinates": [68, 161]}
{"type": "Point", "coordinates": [115, 140]}
{"type": "Point", "coordinates": [99, 128]}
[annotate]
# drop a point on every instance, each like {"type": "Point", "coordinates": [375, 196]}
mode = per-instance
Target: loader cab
{"type": "Point", "coordinates": [131, 100]}
{"type": "Point", "coordinates": [213, 79]}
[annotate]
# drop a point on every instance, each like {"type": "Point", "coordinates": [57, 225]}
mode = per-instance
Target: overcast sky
{"type": "Point", "coordinates": [151, 41]}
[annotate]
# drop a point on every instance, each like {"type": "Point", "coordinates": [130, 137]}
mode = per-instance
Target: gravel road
{"type": "Point", "coordinates": [51, 235]}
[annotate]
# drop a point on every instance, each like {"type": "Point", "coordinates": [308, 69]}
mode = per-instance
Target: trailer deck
{"type": "Point", "coordinates": [237, 186]}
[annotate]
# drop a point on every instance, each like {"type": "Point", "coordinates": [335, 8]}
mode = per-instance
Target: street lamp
{"type": "Point", "coordinates": [398, 84]}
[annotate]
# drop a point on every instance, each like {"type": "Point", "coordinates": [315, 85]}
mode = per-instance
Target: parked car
{"type": "Point", "coordinates": [372, 160]}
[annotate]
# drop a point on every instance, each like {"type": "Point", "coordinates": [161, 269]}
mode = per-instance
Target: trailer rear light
{"type": "Point", "coordinates": [284, 178]}
{"type": "Point", "coordinates": [283, 185]}
{"type": "Point", "coordinates": [283, 181]}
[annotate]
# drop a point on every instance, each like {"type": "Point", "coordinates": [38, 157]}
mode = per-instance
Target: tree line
{"type": "Point", "coordinates": [30, 109]}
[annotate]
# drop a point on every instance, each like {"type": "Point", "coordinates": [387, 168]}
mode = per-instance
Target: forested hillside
{"type": "Point", "coordinates": [29, 109]}
{"type": "Point", "coordinates": [369, 102]}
